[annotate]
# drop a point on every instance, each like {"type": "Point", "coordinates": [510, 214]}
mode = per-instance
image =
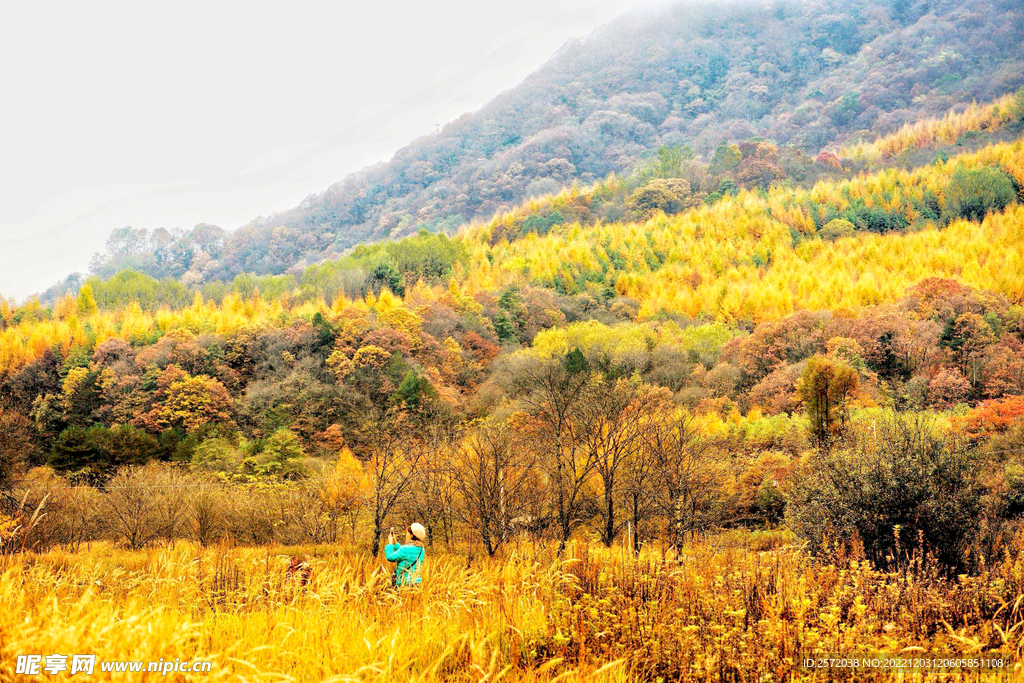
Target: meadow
{"type": "Point", "coordinates": [737, 606]}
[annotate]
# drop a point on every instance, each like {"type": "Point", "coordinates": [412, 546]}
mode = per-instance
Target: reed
{"type": "Point", "coordinates": [730, 609]}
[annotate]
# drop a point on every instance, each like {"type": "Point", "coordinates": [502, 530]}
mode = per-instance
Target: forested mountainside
{"type": "Point", "coordinates": [672, 179]}
{"type": "Point", "coordinates": [909, 283]}
{"type": "Point", "coordinates": [806, 75]}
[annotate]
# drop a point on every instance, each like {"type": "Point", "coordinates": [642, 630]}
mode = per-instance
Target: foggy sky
{"type": "Point", "coordinates": [120, 114]}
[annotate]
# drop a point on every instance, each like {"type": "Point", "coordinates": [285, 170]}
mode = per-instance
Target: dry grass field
{"type": "Point", "coordinates": [739, 607]}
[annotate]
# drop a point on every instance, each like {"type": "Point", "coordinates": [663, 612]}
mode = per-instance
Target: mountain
{"type": "Point", "coordinates": [912, 276]}
{"type": "Point", "coordinates": [812, 74]}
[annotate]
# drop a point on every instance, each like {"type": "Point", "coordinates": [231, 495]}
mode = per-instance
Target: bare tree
{"type": "Point", "coordinates": [322, 502]}
{"type": "Point", "coordinates": [395, 455]}
{"type": "Point", "coordinates": [131, 507]}
{"type": "Point", "coordinates": [206, 509]}
{"type": "Point", "coordinates": [311, 511]}
{"type": "Point", "coordinates": [169, 485]}
{"type": "Point", "coordinates": [554, 392]}
{"type": "Point", "coordinates": [492, 472]}
{"type": "Point", "coordinates": [690, 474]}
{"type": "Point", "coordinates": [251, 515]}
{"type": "Point", "coordinates": [612, 425]}
{"type": "Point", "coordinates": [432, 491]}
{"type": "Point", "coordinates": [62, 514]}
{"type": "Point", "coordinates": [79, 516]}
{"type": "Point", "coordinates": [638, 477]}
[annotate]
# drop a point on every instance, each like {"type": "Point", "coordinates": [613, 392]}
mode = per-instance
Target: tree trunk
{"type": "Point", "coordinates": [680, 531]}
{"type": "Point", "coordinates": [636, 525]}
{"type": "Point", "coordinates": [563, 514]}
{"type": "Point", "coordinates": [378, 531]}
{"type": "Point", "coordinates": [563, 541]}
{"type": "Point", "coordinates": [609, 522]}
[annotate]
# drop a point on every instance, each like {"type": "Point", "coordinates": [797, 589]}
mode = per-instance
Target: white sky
{"type": "Point", "coordinates": [117, 114]}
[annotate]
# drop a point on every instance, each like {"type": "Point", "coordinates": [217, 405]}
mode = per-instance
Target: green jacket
{"type": "Point", "coordinates": [410, 561]}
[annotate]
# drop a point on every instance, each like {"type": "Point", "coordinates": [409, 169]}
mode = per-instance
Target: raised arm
{"type": "Point", "coordinates": [397, 553]}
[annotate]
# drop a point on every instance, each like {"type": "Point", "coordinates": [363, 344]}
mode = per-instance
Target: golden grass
{"type": "Point", "coordinates": [731, 610]}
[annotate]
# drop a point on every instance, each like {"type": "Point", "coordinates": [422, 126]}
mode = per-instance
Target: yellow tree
{"type": "Point", "coordinates": [825, 388]}
{"type": "Point", "coordinates": [86, 301]}
{"type": "Point", "coordinates": [348, 488]}
{"type": "Point", "coordinates": [187, 402]}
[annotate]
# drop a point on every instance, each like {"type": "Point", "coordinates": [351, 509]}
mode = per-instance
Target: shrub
{"type": "Point", "coordinates": [902, 489]}
{"type": "Point", "coordinates": [670, 195]}
{"type": "Point", "coordinates": [217, 454]}
{"type": "Point", "coordinates": [837, 228]}
{"type": "Point", "coordinates": [760, 174]}
{"type": "Point", "coordinates": [278, 456]}
{"type": "Point", "coordinates": [99, 450]}
{"type": "Point", "coordinates": [993, 417]}
{"type": "Point", "coordinates": [948, 388]}
{"type": "Point", "coordinates": [974, 193]}
{"type": "Point", "coordinates": [876, 218]}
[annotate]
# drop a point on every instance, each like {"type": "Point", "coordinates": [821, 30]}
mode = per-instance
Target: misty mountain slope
{"type": "Point", "coordinates": [813, 74]}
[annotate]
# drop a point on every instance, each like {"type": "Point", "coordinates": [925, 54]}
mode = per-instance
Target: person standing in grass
{"type": "Point", "coordinates": [408, 556]}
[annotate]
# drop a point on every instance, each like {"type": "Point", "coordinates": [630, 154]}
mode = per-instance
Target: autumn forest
{"type": "Point", "coordinates": [790, 365]}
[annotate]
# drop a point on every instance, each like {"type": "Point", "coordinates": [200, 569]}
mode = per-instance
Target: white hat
{"type": "Point", "coordinates": [418, 531]}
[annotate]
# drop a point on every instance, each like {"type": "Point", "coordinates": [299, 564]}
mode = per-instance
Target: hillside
{"type": "Point", "coordinates": [671, 180]}
{"type": "Point", "coordinates": [811, 75]}
{"type": "Point", "coordinates": [914, 275]}
{"type": "Point", "coordinates": [757, 256]}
